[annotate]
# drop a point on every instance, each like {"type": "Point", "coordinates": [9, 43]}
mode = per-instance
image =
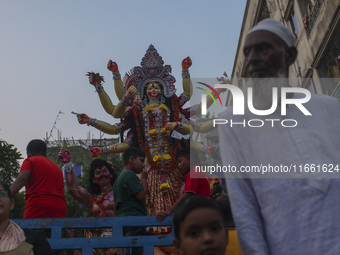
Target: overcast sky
{"type": "Point", "coordinates": [47, 47]}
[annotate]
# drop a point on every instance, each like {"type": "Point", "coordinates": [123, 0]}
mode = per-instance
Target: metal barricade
{"type": "Point", "coordinates": [57, 226]}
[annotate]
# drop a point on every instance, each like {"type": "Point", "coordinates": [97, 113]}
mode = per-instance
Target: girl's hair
{"type": "Point", "coordinates": [188, 205]}
{"type": "Point", "coordinates": [97, 163]}
{"type": "Point", "coordinates": [6, 188]}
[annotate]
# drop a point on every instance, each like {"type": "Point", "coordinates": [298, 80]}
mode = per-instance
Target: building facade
{"type": "Point", "coordinates": [316, 25]}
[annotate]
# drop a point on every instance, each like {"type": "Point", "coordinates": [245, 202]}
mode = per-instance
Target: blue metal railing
{"type": "Point", "coordinates": [117, 240]}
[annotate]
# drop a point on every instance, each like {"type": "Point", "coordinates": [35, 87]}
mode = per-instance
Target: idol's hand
{"type": "Point", "coordinates": [64, 156]}
{"type": "Point", "coordinates": [186, 63]}
{"type": "Point", "coordinates": [95, 79]}
{"type": "Point", "coordinates": [96, 151]}
{"type": "Point", "coordinates": [171, 126]}
{"type": "Point", "coordinates": [83, 118]}
{"type": "Point", "coordinates": [162, 214]}
{"type": "Point", "coordinates": [132, 91]}
{"type": "Point", "coordinates": [112, 66]}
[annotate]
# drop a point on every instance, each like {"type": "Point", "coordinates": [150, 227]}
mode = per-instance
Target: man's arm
{"type": "Point", "coordinates": [247, 216]}
{"type": "Point", "coordinates": [246, 210]}
{"type": "Point", "coordinates": [20, 181]}
{"type": "Point", "coordinates": [162, 214]}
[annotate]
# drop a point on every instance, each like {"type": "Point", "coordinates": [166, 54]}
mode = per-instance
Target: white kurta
{"type": "Point", "coordinates": [294, 215]}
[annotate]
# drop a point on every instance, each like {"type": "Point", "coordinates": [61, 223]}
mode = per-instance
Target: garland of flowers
{"type": "Point", "coordinates": [138, 122]}
{"type": "Point", "coordinates": [169, 158]}
{"type": "Point", "coordinates": [153, 133]}
{"type": "Point", "coordinates": [175, 112]}
{"type": "Point", "coordinates": [98, 201]}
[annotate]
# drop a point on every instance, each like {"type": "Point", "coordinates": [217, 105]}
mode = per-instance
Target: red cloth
{"type": "Point", "coordinates": [197, 183]}
{"type": "Point", "coordinates": [44, 196]}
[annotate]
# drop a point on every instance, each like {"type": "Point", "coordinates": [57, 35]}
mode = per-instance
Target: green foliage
{"type": "Point", "coordinates": [19, 206]}
{"type": "Point", "coordinates": [80, 157]}
{"type": "Point", "coordinates": [9, 170]}
{"type": "Point", "coordinates": [9, 165]}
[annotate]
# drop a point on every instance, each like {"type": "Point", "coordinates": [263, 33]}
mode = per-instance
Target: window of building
{"type": "Point", "coordinates": [329, 64]}
{"type": "Point", "coordinates": [310, 10]}
{"type": "Point", "coordinates": [263, 11]}
{"type": "Point", "coordinates": [293, 22]}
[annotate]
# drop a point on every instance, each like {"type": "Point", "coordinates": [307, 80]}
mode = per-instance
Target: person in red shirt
{"type": "Point", "coordinates": [44, 183]}
{"type": "Point", "coordinates": [195, 183]}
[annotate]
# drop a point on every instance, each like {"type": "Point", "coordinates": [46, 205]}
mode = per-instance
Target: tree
{"type": "Point", "coordinates": [9, 170]}
{"type": "Point", "coordinates": [9, 165]}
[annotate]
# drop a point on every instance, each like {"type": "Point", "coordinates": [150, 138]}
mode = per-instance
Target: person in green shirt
{"type": "Point", "coordinates": [130, 193]}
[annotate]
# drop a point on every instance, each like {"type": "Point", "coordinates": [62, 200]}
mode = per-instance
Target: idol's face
{"type": "Point", "coordinates": [153, 91]}
{"type": "Point", "coordinates": [102, 176]}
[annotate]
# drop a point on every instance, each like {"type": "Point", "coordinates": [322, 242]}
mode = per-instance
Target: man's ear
{"type": "Point", "coordinates": [178, 246]}
{"type": "Point", "coordinates": [130, 159]}
{"type": "Point", "coordinates": [291, 55]}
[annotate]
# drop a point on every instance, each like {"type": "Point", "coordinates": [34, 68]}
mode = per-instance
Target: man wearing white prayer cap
{"type": "Point", "coordinates": [290, 207]}
{"type": "Point", "coordinates": [269, 40]}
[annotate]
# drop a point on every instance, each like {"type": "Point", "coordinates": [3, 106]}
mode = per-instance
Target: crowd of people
{"type": "Point", "coordinates": [294, 214]}
{"type": "Point", "coordinates": [108, 195]}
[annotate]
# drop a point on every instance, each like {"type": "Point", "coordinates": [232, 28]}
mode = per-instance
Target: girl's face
{"type": "Point", "coordinates": [153, 91]}
{"type": "Point", "coordinates": [202, 232]}
{"type": "Point", "coordinates": [6, 204]}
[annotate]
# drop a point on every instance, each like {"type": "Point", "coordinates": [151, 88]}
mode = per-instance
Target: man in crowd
{"type": "Point", "coordinates": [43, 180]}
{"type": "Point", "coordinates": [130, 193]}
{"type": "Point", "coordinates": [292, 212]}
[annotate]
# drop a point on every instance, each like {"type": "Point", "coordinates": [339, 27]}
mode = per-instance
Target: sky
{"type": "Point", "coordinates": [47, 47]}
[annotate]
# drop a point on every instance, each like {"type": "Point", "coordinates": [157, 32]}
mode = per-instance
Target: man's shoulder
{"type": "Point", "coordinates": [323, 104]}
{"type": "Point", "coordinates": [196, 174]}
{"type": "Point", "coordinates": [320, 98]}
{"type": "Point", "coordinates": [39, 159]}
{"type": "Point", "coordinates": [126, 174]}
